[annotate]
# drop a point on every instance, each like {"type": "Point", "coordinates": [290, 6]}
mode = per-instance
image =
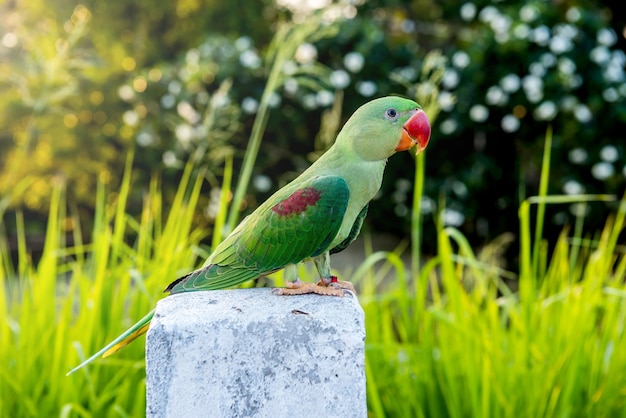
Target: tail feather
{"type": "Point", "coordinates": [120, 342]}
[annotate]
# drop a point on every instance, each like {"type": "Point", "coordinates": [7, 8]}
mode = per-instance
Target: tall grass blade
{"type": "Point", "coordinates": [220, 220]}
{"type": "Point", "coordinates": [541, 206]}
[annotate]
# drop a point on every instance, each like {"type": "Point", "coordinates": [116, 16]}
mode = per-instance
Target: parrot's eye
{"type": "Point", "coordinates": [391, 113]}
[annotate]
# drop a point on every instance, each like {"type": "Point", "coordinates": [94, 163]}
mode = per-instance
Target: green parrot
{"type": "Point", "coordinates": [317, 214]}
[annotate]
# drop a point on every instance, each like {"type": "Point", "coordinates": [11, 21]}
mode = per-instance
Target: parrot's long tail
{"type": "Point", "coordinates": [128, 336]}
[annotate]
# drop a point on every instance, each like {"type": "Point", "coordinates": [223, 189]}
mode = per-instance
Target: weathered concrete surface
{"type": "Point", "coordinates": [249, 353]}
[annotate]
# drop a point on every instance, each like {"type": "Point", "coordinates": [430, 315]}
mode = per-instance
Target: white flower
{"type": "Point", "coordinates": [566, 30]}
{"type": "Point", "coordinates": [184, 133]}
{"type": "Point", "coordinates": [446, 101]}
{"type": "Point", "coordinates": [290, 67]}
{"type": "Point", "coordinates": [528, 13]}
{"type": "Point", "coordinates": [534, 96]}
{"type": "Point", "coordinates": [192, 57]}
{"type": "Point", "coordinates": [306, 53]}
{"type": "Point", "coordinates": [427, 205]}
{"type": "Point", "coordinates": [547, 59]}
{"type": "Point", "coordinates": [574, 81]}
{"type": "Point", "coordinates": [10, 40]}
{"type": "Point", "coordinates": [325, 98]}
{"type": "Point", "coordinates": [262, 183]}
{"type": "Point", "coordinates": [479, 113]}
{"type": "Point", "coordinates": [249, 105]}
{"type": "Point", "coordinates": [609, 153]}
{"type": "Point", "coordinates": [546, 111]}
{"type": "Point", "coordinates": [510, 83]}
{"type": "Point", "coordinates": [174, 87]}
{"type": "Point", "coordinates": [339, 79]}
{"type": "Point", "coordinates": [578, 155]}
{"type": "Point", "coordinates": [573, 14]}
{"type": "Point", "coordinates": [510, 123]}
{"type": "Point", "coordinates": [496, 96]}
{"type": "Point", "coordinates": [566, 66]}
{"type": "Point", "coordinates": [309, 101]}
{"type": "Point", "coordinates": [606, 37]}
{"type": "Point", "coordinates": [220, 100]}
{"type": "Point", "coordinates": [405, 73]}
{"type": "Point", "coordinates": [573, 187]}
{"type": "Point", "coordinates": [450, 79]}
{"type": "Point", "coordinates": [537, 69]}
{"type": "Point", "coordinates": [131, 118]}
{"type": "Point", "coordinates": [126, 93]}
{"type": "Point", "coordinates": [541, 35]}
{"type": "Point", "coordinates": [354, 61]}
{"type": "Point", "coordinates": [168, 101]}
{"type": "Point", "coordinates": [274, 100]}
{"type": "Point", "coordinates": [366, 88]}
{"type": "Point", "coordinates": [488, 14]}
{"type": "Point", "coordinates": [610, 95]}
{"type": "Point", "coordinates": [291, 86]}
{"type": "Point", "coordinates": [560, 44]}
{"type": "Point", "coordinates": [533, 88]}
{"type": "Point", "coordinates": [145, 139]}
{"type": "Point", "coordinates": [451, 217]}
{"type": "Point", "coordinates": [468, 11]}
{"type": "Point", "coordinates": [243, 43]}
{"type": "Point", "coordinates": [448, 126]}
{"type": "Point", "coordinates": [602, 170]}
{"type": "Point", "coordinates": [600, 54]}
{"type": "Point", "coordinates": [169, 158]}
{"type": "Point", "coordinates": [187, 112]}
{"type": "Point", "coordinates": [250, 59]}
{"type": "Point", "coordinates": [569, 103]}
{"type": "Point", "coordinates": [521, 31]}
{"type": "Point", "coordinates": [582, 113]}
{"type": "Point", "coordinates": [459, 188]}
{"type": "Point", "coordinates": [614, 73]}
{"type": "Point", "coordinates": [460, 59]}
{"type": "Point", "coordinates": [500, 24]}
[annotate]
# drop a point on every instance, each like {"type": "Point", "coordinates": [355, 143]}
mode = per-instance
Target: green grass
{"type": "Point", "coordinates": [457, 342]}
{"type": "Point", "coordinates": [456, 337]}
{"type": "Point", "coordinates": [76, 298]}
{"type": "Point", "coordinates": [452, 341]}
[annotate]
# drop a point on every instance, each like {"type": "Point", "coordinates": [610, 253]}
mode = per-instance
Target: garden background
{"type": "Point", "coordinates": [133, 135]}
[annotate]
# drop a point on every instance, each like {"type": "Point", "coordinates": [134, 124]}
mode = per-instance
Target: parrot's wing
{"type": "Point", "coordinates": [296, 223]}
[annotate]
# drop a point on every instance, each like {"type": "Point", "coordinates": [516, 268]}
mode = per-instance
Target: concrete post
{"type": "Point", "coordinates": [250, 353]}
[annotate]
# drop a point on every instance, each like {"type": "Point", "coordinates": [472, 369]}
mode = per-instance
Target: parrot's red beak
{"type": "Point", "coordinates": [416, 131]}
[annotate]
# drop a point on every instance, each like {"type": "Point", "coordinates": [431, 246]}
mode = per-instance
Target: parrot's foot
{"type": "Point", "coordinates": [325, 287]}
{"type": "Point", "coordinates": [337, 284]}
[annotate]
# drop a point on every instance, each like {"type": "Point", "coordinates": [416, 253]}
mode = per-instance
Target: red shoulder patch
{"type": "Point", "coordinates": [297, 202]}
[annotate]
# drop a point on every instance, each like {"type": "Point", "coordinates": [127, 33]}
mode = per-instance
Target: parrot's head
{"type": "Point", "coordinates": [384, 126]}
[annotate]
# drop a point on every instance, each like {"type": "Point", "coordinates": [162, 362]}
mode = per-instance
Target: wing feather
{"type": "Point", "coordinates": [297, 222]}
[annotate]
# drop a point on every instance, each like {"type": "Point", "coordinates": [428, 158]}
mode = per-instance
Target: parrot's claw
{"type": "Point", "coordinates": [335, 283]}
{"type": "Point", "coordinates": [325, 287]}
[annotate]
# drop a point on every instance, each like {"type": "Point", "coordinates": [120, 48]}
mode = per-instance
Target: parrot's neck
{"type": "Point", "coordinates": [363, 177]}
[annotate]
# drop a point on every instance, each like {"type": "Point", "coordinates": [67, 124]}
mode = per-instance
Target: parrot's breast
{"type": "Point", "coordinates": [364, 180]}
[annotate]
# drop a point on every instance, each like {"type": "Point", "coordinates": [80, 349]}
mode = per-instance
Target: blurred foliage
{"type": "Point", "coordinates": [82, 84]}
{"type": "Point", "coordinates": [516, 70]}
